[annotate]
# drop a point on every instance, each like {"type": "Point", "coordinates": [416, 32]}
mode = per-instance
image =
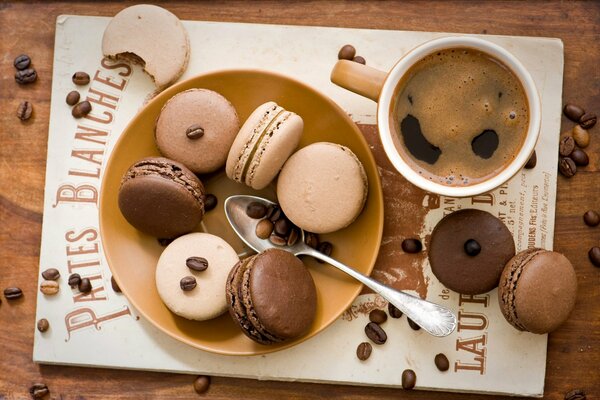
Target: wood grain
{"type": "Point", "coordinates": [573, 351]}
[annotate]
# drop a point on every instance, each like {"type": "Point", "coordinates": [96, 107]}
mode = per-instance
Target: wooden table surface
{"type": "Point", "coordinates": [573, 350]}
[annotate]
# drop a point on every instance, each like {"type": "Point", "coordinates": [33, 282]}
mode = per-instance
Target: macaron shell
{"type": "Point", "coordinates": [214, 113]}
{"type": "Point", "coordinates": [208, 299]}
{"type": "Point", "coordinates": [322, 187]}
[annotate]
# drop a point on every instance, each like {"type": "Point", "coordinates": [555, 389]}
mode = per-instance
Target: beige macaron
{"type": "Point", "coordinates": [151, 36]}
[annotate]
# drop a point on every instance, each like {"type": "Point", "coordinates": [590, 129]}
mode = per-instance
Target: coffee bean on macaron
{"type": "Point", "coordinates": [187, 283]}
{"type": "Point", "coordinates": [591, 218]}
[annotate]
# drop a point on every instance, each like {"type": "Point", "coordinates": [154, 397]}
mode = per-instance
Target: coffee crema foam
{"type": "Point", "coordinates": [460, 117]}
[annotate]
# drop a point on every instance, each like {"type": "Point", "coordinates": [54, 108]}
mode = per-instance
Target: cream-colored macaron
{"type": "Point", "coordinates": [151, 36]}
{"type": "Point", "coordinates": [180, 259]}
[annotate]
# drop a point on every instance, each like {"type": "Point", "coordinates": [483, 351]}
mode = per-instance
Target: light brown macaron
{"type": "Point", "coordinates": [197, 127]}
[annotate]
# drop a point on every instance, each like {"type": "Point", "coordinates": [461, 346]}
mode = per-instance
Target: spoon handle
{"type": "Point", "coordinates": [435, 319]}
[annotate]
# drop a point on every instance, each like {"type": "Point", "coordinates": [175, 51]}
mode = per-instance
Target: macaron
{"type": "Point", "coordinates": [537, 290]}
{"type": "Point", "coordinates": [272, 296]}
{"type": "Point", "coordinates": [197, 127]}
{"type": "Point", "coordinates": [201, 258]}
{"type": "Point", "coordinates": [469, 249]}
{"type": "Point", "coordinates": [161, 197]}
{"type": "Point", "coordinates": [150, 36]}
{"type": "Point", "coordinates": [265, 141]}
{"type": "Point", "coordinates": [322, 187]}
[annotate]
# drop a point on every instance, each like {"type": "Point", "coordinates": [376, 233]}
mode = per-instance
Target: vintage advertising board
{"type": "Point", "coordinates": [109, 329]}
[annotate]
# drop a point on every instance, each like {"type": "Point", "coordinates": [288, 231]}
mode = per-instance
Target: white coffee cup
{"type": "Point", "coordinates": [380, 87]}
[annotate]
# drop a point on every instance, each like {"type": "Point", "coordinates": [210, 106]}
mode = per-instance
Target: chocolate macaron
{"type": "Point", "coordinates": [537, 290]}
{"type": "Point", "coordinates": [161, 197]}
{"type": "Point", "coordinates": [272, 296]}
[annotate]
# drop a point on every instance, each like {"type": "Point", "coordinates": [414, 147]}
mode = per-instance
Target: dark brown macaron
{"type": "Point", "coordinates": [537, 290]}
{"type": "Point", "coordinates": [161, 197]}
{"type": "Point", "coordinates": [451, 258]}
{"type": "Point", "coordinates": [272, 296]}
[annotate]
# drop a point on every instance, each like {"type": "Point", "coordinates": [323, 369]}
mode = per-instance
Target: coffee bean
{"type": "Point", "coordinates": [360, 60]}
{"type": "Point", "coordinates": [573, 112]}
{"type": "Point", "coordinates": [197, 263]}
{"type": "Point", "coordinates": [587, 121]}
{"type": "Point", "coordinates": [393, 311]}
{"type": "Point", "coordinates": [270, 210]}
{"type": "Point", "coordinates": [21, 62]}
{"type": "Point", "coordinates": [363, 351]}
{"type": "Point", "coordinates": [80, 78]}
{"type": "Point", "coordinates": [378, 316]}
{"type": "Point", "coordinates": [324, 248]}
{"type": "Point", "coordinates": [567, 167]}
{"type": "Point", "coordinates": [581, 136]}
{"type": "Point", "coordinates": [277, 240]}
{"type": "Point", "coordinates": [593, 254]}
{"type": "Point", "coordinates": [347, 52]}
{"type": "Point", "coordinates": [293, 237]}
{"type": "Point", "coordinates": [264, 228]}
{"type": "Point", "coordinates": [85, 286]}
{"type": "Point", "coordinates": [575, 394]}
{"type": "Point", "coordinates": [194, 132]}
{"type": "Point", "coordinates": [311, 239]}
{"type": "Point", "coordinates": [210, 202]}
{"type": "Point", "coordinates": [81, 109]}
{"type": "Point", "coordinates": [12, 293]}
{"type": "Point", "coordinates": [409, 379]}
{"type": "Point", "coordinates": [24, 110]}
{"type": "Point", "coordinates": [201, 384]}
{"type": "Point", "coordinates": [274, 214]}
{"type": "Point", "coordinates": [413, 324]}
{"type": "Point", "coordinates": [26, 76]}
{"type": "Point", "coordinates": [187, 283]}
{"type": "Point", "coordinates": [114, 285]}
{"type": "Point", "coordinates": [256, 210]}
{"type": "Point", "coordinates": [74, 280]}
{"type": "Point", "coordinates": [411, 245]}
{"type": "Point", "coordinates": [51, 274]}
{"type": "Point", "coordinates": [39, 390]}
{"type": "Point", "coordinates": [532, 162]}
{"type": "Point", "coordinates": [72, 97]}
{"type": "Point", "coordinates": [375, 333]}
{"type": "Point", "coordinates": [472, 247]}
{"type": "Point", "coordinates": [566, 146]}
{"type": "Point", "coordinates": [580, 157]}
{"type": "Point", "coordinates": [441, 362]}
{"type": "Point", "coordinates": [43, 325]}
{"type": "Point", "coordinates": [282, 227]}
{"type": "Point", "coordinates": [49, 288]}
{"type": "Point", "coordinates": [591, 218]}
{"type": "Point", "coordinates": [164, 242]}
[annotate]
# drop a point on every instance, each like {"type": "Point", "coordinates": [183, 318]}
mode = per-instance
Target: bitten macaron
{"type": "Point", "coordinates": [272, 296]}
{"type": "Point", "coordinates": [161, 197]}
{"type": "Point", "coordinates": [265, 141]}
{"type": "Point", "coordinates": [322, 187]}
{"type": "Point", "coordinates": [537, 290]}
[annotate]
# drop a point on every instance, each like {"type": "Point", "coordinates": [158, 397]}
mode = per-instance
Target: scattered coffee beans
{"type": "Point", "coordinates": [413, 324]}
{"type": "Point", "coordinates": [21, 62]}
{"type": "Point", "coordinates": [575, 394]}
{"type": "Point", "coordinates": [114, 285]}
{"type": "Point", "coordinates": [81, 109]}
{"type": "Point", "coordinates": [566, 146]}
{"type": "Point", "coordinates": [43, 325]}
{"type": "Point", "coordinates": [187, 283]}
{"type": "Point", "coordinates": [26, 76]}
{"type": "Point", "coordinates": [85, 286]}
{"type": "Point", "coordinates": [264, 228]}
{"type": "Point", "coordinates": [24, 110]}
{"type": "Point", "coordinates": [360, 60]}
{"type": "Point", "coordinates": [587, 120]}
{"type": "Point", "coordinates": [72, 97]}
{"type": "Point", "coordinates": [12, 293]}
{"type": "Point", "coordinates": [210, 202]}
{"type": "Point", "coordinates": [49, 288]}
{"type": "Point", "coordinates": [593, 254]}
{"type": "Point", "coordinates": [277, 240]}
{"type": "Point", "coordinates": [256, 210]}
{"type": "Point", "coordinates": [580, 157]}
{"type": "Point", "coordinates": [80, 78]}
{"type": "Point", "coordinates": [325, 248]}
{"type": "Point", "coordinates": [591, 218]}
{"type": "Point", "coordinates": [409, 379]}
{"type": "Point", "coordinates": [363, 351]}
{"type": "Point", "coordinates": [39, 390]}
{"type": "Point", "coordinates": [411, 245]}
{"type": "Point", "coordinates": [567, 167]}
{"type": "Point", "coordinates": [201, 384]}
{"type": "Point", "coordinates": [393, 311]}
{"type": "Point", "coordinates": [74, 280]}
{"type": "Point", "coordinates": [51, 274]}
{"type": "Point", "coordinates": [282, 227]}
{"type": "Point", "coordinates": [347, 53]}
{"type": "Point", "coordinates": [581, 136]}
{"type": "Point", "coordinates": [532, 162]}
{"type": "Point", "coordinates": [293, 237]}
{"type": "Point", "coordinates": [441, 362]}
{"type": "Point", "coordinates": [378, 316]}
{"type": "Point", "coordinates": [194, 132]}
{"type": "Point", "coordinates": [375, 333]}
{"type": "Point", "coordinates": [311, 239]}
{"type": "Point", "coordinates": [197, 263]}
{"type": "Point", "coordinates": [573, 112]}
{"type": "Point", "coordinates": [472, 247]}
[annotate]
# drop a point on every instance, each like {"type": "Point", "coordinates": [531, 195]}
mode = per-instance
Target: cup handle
{"type": "Point", "coordinates": [358, 78]}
